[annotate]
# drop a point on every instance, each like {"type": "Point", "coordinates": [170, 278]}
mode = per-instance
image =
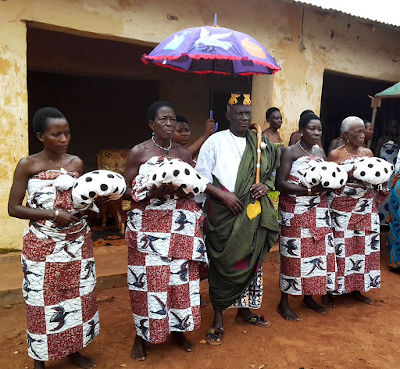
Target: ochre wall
{"type": "Point", "coordinates": [13, 117]}
{"type": "Point", "coordinates": [335, 42]}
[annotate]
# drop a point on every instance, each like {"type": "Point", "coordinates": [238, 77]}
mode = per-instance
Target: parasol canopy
{"type": "Point", "coordinates": [393, 91]}
{"type": "Point", "coordinates": [215, 50]}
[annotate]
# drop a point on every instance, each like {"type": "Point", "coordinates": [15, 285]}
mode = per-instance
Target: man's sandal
{"type": "Point", "coordinates": [215, 336]}
{"type": "Point", "coordinates": [256, 320]}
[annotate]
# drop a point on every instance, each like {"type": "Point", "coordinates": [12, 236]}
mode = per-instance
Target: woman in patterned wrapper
{"type": "Point", "coordinates": [57, 255]}
{"type": "Point", "coordinates": [165, 242]}
{"type": "Point", "coordinates": [307, 253]}
{"type": "Point", "coordinates": [355, 220]}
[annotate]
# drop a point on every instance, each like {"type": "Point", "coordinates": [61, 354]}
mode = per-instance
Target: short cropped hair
{"type": "Point", "coordinates": [155, 107]}
{"type": "Point", "coordinates": [270, 111]}
{"type": "Point", "coordinates": [347, 123]}
{"type": "Point", "coordinates": [40, 118]}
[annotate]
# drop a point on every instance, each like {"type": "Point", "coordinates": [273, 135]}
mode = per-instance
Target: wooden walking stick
{"type": "Point", "coordinates": [254, 209]}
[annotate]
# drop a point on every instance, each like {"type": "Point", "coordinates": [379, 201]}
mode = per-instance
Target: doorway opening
{"type": "Point", "coordinates": [344, 95]}
{"type": "Point", "coordinates": [104, 90]}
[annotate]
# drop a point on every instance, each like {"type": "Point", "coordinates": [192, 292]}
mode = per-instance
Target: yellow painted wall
{"type": "Point", "coordinates": [335, 42]}
{"type": "Point", "coordinates": [13, 117]}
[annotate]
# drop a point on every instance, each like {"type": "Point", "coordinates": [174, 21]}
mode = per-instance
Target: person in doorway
{"type": "Point", "coordinates": [57, 254]}
{"type": "Point", "coordinates": [355, 221]}
{"type": "Point", "coordinates": [274, 118]}
{"type": "Point", "coordinates": [307, 253]}
{"type": "Point", "coordinates": [165, 245]}
{"type": "Point", "coordinates": [182, 134]}
{"type": "Point", "coordinates": [368, 133]}
{"type": "Point", "coordinates": [236, 244]}
{"type": "Point", "coordinates": [390, 141]}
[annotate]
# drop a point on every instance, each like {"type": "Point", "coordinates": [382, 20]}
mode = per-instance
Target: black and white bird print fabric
{"type": "Point", "coordinates": [96, 184]}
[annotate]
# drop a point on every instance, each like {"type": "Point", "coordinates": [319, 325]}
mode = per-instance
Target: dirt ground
{"type": "Point", "coordinates": [352, 335]}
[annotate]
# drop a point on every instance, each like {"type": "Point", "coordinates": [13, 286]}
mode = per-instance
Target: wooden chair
{"type": "Point", "coordinates": [115, 160]}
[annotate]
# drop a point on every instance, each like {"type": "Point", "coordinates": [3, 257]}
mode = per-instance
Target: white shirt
{"type": "Point", "coordinates": [220, 156]}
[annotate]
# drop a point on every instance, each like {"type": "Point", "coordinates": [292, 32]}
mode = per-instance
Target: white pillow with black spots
{"type": "Point", "coordinates": [177, 173]}
{"type": "Point", "coordinates": [372, 170]}
{"type": "Point", "coordinates": [312, 176]}
{"type": "Point", "coordinates": [332, 175]}
{"type": "Point", "coordinates": [96, 184]}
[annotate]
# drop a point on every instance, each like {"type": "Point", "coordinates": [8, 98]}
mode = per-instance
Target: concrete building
{"type": "Point", "coordinates": [84, 58]}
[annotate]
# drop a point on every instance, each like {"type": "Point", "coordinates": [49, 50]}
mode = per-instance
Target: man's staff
{"type": "Point", "coordinates": [254, 209]}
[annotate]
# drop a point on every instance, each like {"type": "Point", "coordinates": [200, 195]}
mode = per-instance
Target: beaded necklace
{"type": "Point", "coordinates": [166, 149]}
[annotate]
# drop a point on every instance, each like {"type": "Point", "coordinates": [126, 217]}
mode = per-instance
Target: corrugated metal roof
{"type": "Point", "coordinates": [333, 11]}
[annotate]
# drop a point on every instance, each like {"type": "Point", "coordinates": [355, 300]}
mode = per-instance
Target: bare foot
{"type": "Point", "coordinates": [182, 341]}
{"type": "Point", "coordinates": [328, 300]}
{"type": "Point", "coordinates": [287, 313]}
{"type": "Point", "coordinates": [356, 295]}
{"type": "Point", "coordinates": [311, 304]}
{"type": "Point", "coordinates": [39, 365]}
{"type": "Point", "coordinates": [83, 362]}
{"type": "Point", "coordinates": [139, 349]}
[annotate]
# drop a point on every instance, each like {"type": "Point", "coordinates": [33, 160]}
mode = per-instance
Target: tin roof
{"type": "Point", "coordinates": [389, 18]}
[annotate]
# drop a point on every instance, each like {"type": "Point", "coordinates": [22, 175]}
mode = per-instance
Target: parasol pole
{"type": "Point", "coordinates": [257, 127]}
{"type": "Point", "coordinates": [254, 209]}
{"type": "Point", "coordinates": [215, 20]}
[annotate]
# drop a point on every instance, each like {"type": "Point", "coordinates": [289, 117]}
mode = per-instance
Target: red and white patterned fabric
{"type": "Point", "coordinates": [307, 253]}
{"type": "Point", "coordinates": [59, 276]}
{"type": "Point", "coordinates": [165, 249]}
{"type": "Point", "coordinates": [356, 231]}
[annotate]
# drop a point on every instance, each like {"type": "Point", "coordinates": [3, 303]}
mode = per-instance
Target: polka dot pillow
{"type": "Point", "coordinates": [171, 171]}
{"type": "Point", "coordinates": [96, 184]}
{"type": "Point", "coordinates": [312, 176]}
{"type": "Point", "coordinates": [332, 175]}
{"type": "Point", "coordinates": [329, 174]}
{"type": "Point", "coordinates": [372, 170]}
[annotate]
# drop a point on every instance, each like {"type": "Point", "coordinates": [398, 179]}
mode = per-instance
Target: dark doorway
{"type": "Point", "coordinates": [103, 113]}
{"type": "Point", "coordinates": [344, 95]}
{"type": "Point", "coordinates": [104, 89]}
